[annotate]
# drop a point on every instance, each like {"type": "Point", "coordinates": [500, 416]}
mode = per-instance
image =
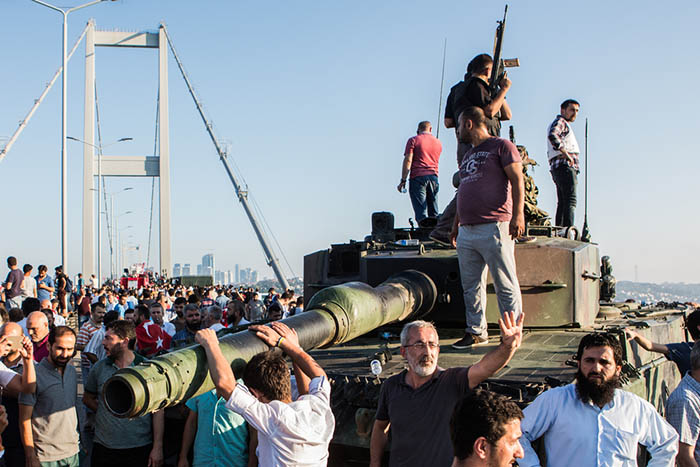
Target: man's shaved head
{"type": "Point", "coordinates": [46, 304]}
{"type": "Point", "coordinates": [12, 329]}
{"type": "Point", "coordinates": [37, 315]}
{"type": "Point", "coordinates": [37, 326]}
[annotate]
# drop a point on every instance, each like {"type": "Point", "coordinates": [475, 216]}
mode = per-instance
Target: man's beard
{"type": "Point", "coordinates": [60, 362]}
{"type": "Point", "coordinates": [115, 351]}
{"type": "Point", "coordinates": [193, 326]}
{"type": "Point", "coordinates": [600, 393]}
{"type": "Point", "coordinates": [423, 367]}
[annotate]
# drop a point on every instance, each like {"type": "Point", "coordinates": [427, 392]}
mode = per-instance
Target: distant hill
{"type": "Point", "coordinates": [652, 293]}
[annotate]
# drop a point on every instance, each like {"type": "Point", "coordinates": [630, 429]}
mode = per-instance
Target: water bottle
{"type": "Point", "coordinates": [403, 190]}
{"type": "Point", "coordinates": [376, 367]}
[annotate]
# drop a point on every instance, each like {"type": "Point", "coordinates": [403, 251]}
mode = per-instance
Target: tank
{"type": "Point", "coordinates": [567, 292]}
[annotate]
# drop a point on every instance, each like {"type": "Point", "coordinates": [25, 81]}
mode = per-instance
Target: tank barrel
{"type": "Point", "coordinates": [335, 315]}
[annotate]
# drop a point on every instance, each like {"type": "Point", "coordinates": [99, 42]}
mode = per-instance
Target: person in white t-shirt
{"type": "Point", "coordinates": [212, 318]}
{"type": "Point", "coordinates": [157, 312]}
{"type": "Point", "coordinates": [289, 432]}
{"type": "Point", "coordinates": [29, 284]}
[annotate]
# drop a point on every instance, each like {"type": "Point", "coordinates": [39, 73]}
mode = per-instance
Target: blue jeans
{"type": "Point", "coordinates": [564, 178]}
{"type": "Point", "coordinates": [423, 191]}
{"type": "Point", "coordinates": [482, 248]}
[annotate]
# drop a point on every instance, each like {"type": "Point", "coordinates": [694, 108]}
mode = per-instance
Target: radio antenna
{"type": "Point", "coordinates": [442, 84]}
{"type": "Point", "coordinates": [585, 233]}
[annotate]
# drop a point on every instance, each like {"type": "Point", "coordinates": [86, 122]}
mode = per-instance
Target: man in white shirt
{"type": "Point", "coordinates": [29, 284]}
{"type": "Point", "coordinates": [157, 317]}
{"type": "Point", "coordinates": [212, 319]}
{"type": "Point", "coordinates": [289, 433]}
{"type": "Point", "coordinates": [594, 423]}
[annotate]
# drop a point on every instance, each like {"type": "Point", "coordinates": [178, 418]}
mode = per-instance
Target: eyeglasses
{"type": "Point", "coordinates": [424, 345]}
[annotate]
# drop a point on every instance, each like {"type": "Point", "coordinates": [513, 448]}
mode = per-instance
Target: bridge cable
{"type": "Point", "coordinates": [153, 181]}
{"type": "Point", "coordinates": [104, 189]}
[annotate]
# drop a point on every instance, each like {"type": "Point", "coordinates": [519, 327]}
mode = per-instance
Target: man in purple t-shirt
{"type": "Point", "coordinates": [421, 159]}
{"type": "Point", "coordinates": [489, 217]}
{"type": "Point", "coordinates": [13, 284]}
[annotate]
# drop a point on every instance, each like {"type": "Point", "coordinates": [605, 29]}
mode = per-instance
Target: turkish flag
{"type": "Point", "coordinates": [151, 339]}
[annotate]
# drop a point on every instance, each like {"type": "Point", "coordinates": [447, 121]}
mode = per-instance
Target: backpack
{"type": "Point", "coordinates": [69, 285]}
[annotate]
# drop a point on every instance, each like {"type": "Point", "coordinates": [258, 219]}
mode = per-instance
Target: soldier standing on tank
{"type": "Point", "coordinates": [473, 91]}
{"type": "Point", "coordinates": [562, 152]}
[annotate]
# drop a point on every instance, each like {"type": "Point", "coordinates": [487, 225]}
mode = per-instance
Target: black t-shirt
{"type": "Point", "coordinates": [472, 92]}
{"type": "Point", "coordinates": [420, 418]}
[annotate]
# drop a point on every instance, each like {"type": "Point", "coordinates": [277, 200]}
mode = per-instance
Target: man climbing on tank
{"type": "Point", "coordinates": [473, 91]}
{"type": "Point", "coordinates": [420, 167]}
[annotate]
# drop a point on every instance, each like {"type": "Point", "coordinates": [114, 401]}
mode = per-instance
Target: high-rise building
{"type": "Point", "coordinates": [199, 269]}
{"type": "Point", "coordinates": [238, 275]}
{"type": "Point", "coordinates": [208, 267]}
{"type": "Point", "coordinates": [177, 270]}
{"type": "Point", "coordinates": [254, 276]}
{"type": "Point", "coordinates": [230, 277]}
{"type": "Point", "coordinates": [245, 275]}
{"type": "Point", "coordinates": [186, 270]}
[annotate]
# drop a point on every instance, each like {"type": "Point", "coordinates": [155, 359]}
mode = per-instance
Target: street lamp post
{"type": "Point", "coordinates": [64, 111]}
{"type": "Point", "coordinates": [99, 193]}
{"type": "Point", "coordinates": [111, 230]}
{"type": "Point", "coordinates": [120, 243]}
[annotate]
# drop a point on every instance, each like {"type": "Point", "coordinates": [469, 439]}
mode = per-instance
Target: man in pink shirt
{"type": "Point", "coordinates": [421, 159]}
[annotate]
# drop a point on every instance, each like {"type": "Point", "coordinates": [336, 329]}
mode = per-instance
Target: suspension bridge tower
{"type": "Point", "coordinates": [125, 166]}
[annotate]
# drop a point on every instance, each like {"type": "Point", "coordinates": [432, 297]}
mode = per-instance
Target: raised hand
{"type": "Point", "coordinates": [27, 349]}
{"type": "Point", "coordinates": [511, 331]}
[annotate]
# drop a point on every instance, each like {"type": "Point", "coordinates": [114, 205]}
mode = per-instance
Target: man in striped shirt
{"type": "Point", "coordinates": [90, 327]}
{"type": "Point", "coordinates": [562, 152]}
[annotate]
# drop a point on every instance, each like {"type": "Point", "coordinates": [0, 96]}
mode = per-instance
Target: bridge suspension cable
{"type": "Point", "coordinates": [242, 194]}
{"type": "Point", "coordinates": [37, 102]}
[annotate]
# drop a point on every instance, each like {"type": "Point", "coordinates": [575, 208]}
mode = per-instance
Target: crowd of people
{"type": "Point", "coordinates": [113, 327]}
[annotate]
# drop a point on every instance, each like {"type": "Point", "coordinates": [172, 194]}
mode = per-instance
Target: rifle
{"type": "Point", "coordinates": [499, 64]}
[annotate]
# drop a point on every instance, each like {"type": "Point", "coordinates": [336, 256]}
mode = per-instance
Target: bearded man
{"type": "Point", "coordinates": [593, 422]}
{"type": "Point", "coordinates": [416, 404]}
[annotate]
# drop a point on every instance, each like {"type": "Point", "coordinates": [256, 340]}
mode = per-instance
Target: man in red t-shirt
{"type": "Point", "coordinates": [490, 202]}
{"type": "Point", "coordinates": [421, 159]}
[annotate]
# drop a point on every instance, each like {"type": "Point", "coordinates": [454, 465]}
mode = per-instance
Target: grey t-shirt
{"type": "Point", "coordinates": [110, 431]}
{"type": "Point", "coordinates": [420, 418]}
{"type": "Point", "coordinates": [54, 419]}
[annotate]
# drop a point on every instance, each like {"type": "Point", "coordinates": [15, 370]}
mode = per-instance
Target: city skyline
{"type": "Point", "coordinates": [224, 276]}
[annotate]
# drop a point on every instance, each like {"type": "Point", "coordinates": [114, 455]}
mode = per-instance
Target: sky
{"type": "Point", "coordinates": [315, 102]}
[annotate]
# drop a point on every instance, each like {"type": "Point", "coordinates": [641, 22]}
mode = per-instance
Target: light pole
{"type": "Point", "coordinates": [120, 243]}
{"type": "Point", "coordinates": [64, 110]}
{"type": "Point", "coordinates": [99, 193]}
{"type": "Point", "coordinates": [111, 229]}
